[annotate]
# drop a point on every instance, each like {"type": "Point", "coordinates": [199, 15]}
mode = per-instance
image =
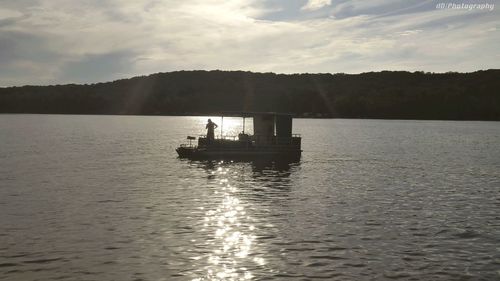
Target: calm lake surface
{"type": "Point", "coordinates": [106, 198]}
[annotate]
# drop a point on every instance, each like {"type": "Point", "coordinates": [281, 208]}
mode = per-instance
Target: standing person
{"type": "Point", "coordinates": [211, 126]}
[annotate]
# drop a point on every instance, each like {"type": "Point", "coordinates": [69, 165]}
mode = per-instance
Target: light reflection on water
{"type": "Point", "coordinates": [233, 233]}
{"type": "Point", "coordinates": [235, 229]}
{"type": "Point", "coordinates": [106, 198]}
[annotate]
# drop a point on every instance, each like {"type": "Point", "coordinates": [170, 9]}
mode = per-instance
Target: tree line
{"type": "Point", "coordinates": [385, 95]}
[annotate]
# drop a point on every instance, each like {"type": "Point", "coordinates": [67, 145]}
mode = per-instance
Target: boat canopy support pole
{"type": "Point", "coordinates": [243, 125]}
{"type": "Point", "coordinates": [221, 125]}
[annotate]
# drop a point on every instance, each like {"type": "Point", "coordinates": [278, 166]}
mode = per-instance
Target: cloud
{"type": "Point", "coordinates": [7, 13]}
{"type": "Point", "coordinates": [312, 5]}
{"type": "Point", "coordinates": [91, 68]}
{"type": "Point", "coordinates": [26, 57]}
{"type": "Point", "coordinates": [57, 41]}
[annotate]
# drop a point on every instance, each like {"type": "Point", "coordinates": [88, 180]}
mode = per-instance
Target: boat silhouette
{"type": "Point", "coordinates": [272, 139]}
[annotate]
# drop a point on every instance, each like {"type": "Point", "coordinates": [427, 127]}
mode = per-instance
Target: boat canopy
{"type": "Point", "coordinates": [266, 125]}
{"type": "Point", "coordinates": [247, 114]}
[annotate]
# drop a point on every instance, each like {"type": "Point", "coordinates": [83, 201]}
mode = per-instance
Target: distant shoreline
{"type": "Point", "coordinates": [208, 115]}
{"type": "Point", "coordinates": [385, 95]}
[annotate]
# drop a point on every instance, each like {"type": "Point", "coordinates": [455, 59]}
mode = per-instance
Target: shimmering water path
{"type": "Point", "coordinates": [106, 198]}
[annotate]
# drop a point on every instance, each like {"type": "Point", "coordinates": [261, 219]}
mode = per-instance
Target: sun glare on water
{"type": "Point", "coordinates": [232, 234]}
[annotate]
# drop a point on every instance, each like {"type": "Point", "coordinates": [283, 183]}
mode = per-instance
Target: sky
{"type": "Point", "coordinates": [46, 42]}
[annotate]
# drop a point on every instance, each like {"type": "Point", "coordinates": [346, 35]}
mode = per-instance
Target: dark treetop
{"type": "Point", "coordinates": [386, 94]}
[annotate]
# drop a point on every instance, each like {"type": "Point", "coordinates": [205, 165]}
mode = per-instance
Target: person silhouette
{"type": "Point", "coordinates": [210, 129]}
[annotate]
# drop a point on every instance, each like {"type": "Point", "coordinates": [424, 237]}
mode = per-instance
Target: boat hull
{"type": "Point", "coordinates": [237, 154]}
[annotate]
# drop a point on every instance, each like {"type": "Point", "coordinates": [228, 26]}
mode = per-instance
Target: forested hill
{"type": "Point", "coordinates": [386, 94]}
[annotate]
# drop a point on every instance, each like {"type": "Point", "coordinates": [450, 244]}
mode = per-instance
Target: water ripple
{"type": "Point", "coordinates": [105, 198]}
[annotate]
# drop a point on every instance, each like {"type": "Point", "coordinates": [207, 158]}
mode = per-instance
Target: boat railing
{"type": "Point", "coordinates": [266, 140]}
{"type": "Point", "coordinates": [258, 139]}
{"type": "Point", "coordinates": [228, 137]}
{"type": "Point", "coordinates": [190, 142]}
{"type": "Point", "coordinates": [218, 137]}
{"type": "Point", "coordinates": [252, 136]}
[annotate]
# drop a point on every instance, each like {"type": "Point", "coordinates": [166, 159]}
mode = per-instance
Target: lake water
{"type": "Point", "coordinates": [106, 198]}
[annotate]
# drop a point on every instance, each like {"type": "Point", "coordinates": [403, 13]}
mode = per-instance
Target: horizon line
{"type": "Point", "coordinates": [248, 71]}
